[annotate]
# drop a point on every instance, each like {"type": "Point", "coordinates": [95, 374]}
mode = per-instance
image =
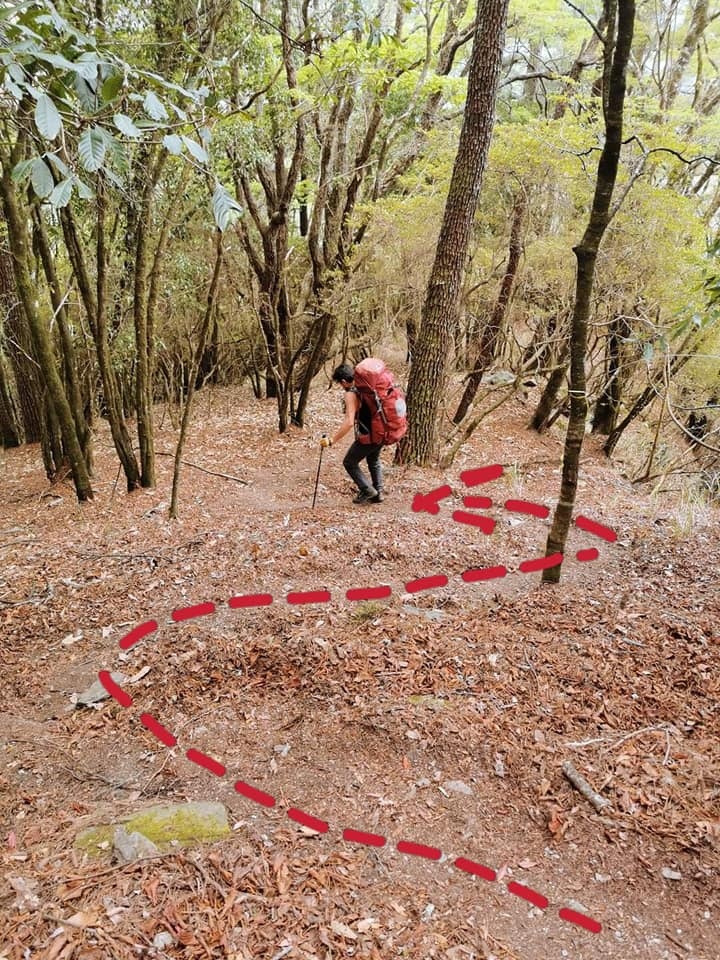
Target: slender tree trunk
{"type": "Point", "coordinates": [429, 369]}
{"type": "Point", "coordinates": [608, 404]}
{"type": "Point", "coordinates": [646, 397]}
{"type": "Point", "coordinates": [489, 338]}
{"type": "Point", "coordinates": [540, 420]}
{"type": "Point", "coordinates": [617, 53]}
{"type": "Point", "coordinates": [199, 351]}
{"type": "Point", "coordinates": [42, 245]}
{"type": "Point", "coordinates": [20, 353]}
{"type": "Point", "coordinates": [17, 233]}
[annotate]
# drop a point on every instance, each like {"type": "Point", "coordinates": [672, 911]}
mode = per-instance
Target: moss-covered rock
{"type": "Point", "coordinates": [174, 824]}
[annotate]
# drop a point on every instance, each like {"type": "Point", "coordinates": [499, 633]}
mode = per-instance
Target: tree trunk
{"type": "Point", "coordinates": [19, 351]}
{"type": "Point", "coordinates": [17, 233]}
{"type": "Point", "coordinates": [192, 378]}
{"type": "Point", "coordinates": [42, 245]}
{"type": "Point", "coordinates": [94, 302]}
{"type": "Point", "coordinates": [542, 417]}
{"type": "Point", "coordinates": [608, 404]}
{"type": "Point", "coordinates": [617, 54]}
{"type": "Point", "coordinates": [429, 369]}
{"type": "Point", "coordinates": [646, 397]}
{"type": "Point", "coordinates": [489, 338]}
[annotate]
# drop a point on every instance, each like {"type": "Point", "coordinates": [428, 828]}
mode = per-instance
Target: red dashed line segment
{"type": "Point", "coordinates": [369, 593]}
{"type": "Point", "coordinates": [525, 506]}
{"type": "Point", "coordinates": [116, 692]}
{"type": "Point", "coordinates": [473, 478]}
{"type": "Point", "coordinates": [486, 524]}
{"type": "Point", "coordinates": [309, 596]}
{"type": "Point", "coordinates": [138, 633]}
{"type": "Point", "coordinates": [585, 555]}
{"type": "Point", "coordinates": [476, 869]}
{"type": "Point", "coordinates": [427, 583]}
{"type": "Point", "coordinates": [190, 613]}
{"type": "Point", "coordinates": [599, 529]}
{"type": "Point", "coordinates": [252, 793]}
{"type": "Point", "coordinates": [573, 916]}
{"type": "Point", "coordinates": [477, 503]}
{"type": "Point", "coordinates": [157, 730]}
{"type": "Point", "coordinates": [208, 763]}
{"type": "Point", "coordinates": [422, 502]}
{"type": "Point", "coordinates": [541, 563]}
{"type": "Point", "coordinates": [419, 850]}
{"type": "Point", "coordinates": [430, 502]}
{"type": "Point", "coordinates": [484, 573]}
{"type": "Point", "coordinates": [250, 600]}
{"type": "Point", "coordinates": [369, 839]}
{"type": "Point", "coordinates": [307, 820]}
{"type": "Point", "coordinates": [532, 896]}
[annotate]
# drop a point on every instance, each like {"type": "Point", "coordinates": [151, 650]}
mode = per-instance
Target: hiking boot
{"type": "Point", "coordinates": [366, 495]}
{"type": "Point", "coordinates": [378, 498]}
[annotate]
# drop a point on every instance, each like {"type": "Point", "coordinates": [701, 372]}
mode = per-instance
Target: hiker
{"type": "Point", "coordinates": [375, 408]}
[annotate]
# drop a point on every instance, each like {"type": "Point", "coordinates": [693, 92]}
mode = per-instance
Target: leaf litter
{"type": "Point", "coordinates": [362, 715]}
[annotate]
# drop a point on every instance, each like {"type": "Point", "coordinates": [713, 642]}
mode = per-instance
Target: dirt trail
{"type": "Point", "coordinates": [436, 716]}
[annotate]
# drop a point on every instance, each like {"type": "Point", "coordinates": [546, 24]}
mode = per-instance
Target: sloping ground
{"type": "Point", "coordinates": [438, 717]}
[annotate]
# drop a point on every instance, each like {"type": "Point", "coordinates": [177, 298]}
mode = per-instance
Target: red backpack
{"type": "Point", "coordinates": [383, 399]}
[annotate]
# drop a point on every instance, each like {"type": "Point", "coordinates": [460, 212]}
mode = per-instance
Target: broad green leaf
{"type": "Point", "coordinates": [41, 178]}
{"type": "Point", "coordinates": [111, 87]}
{"type": "Point", "coordinates": [126, 126]}
{"type": "Point", "coordinates": [47, 118]}
{"type": "Point", "coordinates": [59, 164]}
{"type": "Point", "coordinates": [60, 196]}
{"type": "Point", "coordinates": [173, 144]}
{"type": "Point", "coordinates": [21, 171]}
{"type": "Point", "coordinates": [91, 149]}
{"type": "Point", "coordinates": [153, 107]}
{"type": "Point", "coordinates": [87, 65]}
{"type": "Point", "coordinates": [84, 191]}
{"type": "Point", "coordinates": [195, 149]}
{"type": "Point", "coordinates": [225, 208]}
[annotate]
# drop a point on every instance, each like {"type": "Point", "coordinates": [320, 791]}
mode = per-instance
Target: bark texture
{"type": "Point", "coordinates": [429, 370]}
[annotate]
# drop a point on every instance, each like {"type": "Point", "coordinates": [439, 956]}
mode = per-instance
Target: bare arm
{"type": "Point", "coordinates": [352, 403]}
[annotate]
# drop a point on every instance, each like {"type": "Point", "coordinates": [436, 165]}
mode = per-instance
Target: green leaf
{"type": "Point", "coordinates": [60, 196]}
{"type": "Point", "coordinates": [225, 209]}
{"type": "Point", "coordinates": [195, 149]}
{"type": "Point", "coordinates": [47, 118]}
{"type": "Point", "coordinates": [111, 87]}
{"type": "Point", "coordinates": [84, 191]}
{"type": "Point", "coordinates": [153, 107]}
{"type": "Point", "coordinates": [41, 178]}
{"type": "Point", "coordinates": [91, 149]}
{"type": "Point", "coordinates": [59, 164]}
{"type": "Point", "coordinates": [21, 171]}
{"type": "Point", "coordinates": [126, 126]}
{"type": "Point", "coordinates": [173, 144]}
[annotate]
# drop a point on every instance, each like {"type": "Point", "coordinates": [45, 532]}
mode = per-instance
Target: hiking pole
{"type": "Point", "coordinates": [317, 478]}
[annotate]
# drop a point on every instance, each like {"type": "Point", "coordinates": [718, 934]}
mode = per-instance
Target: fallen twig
{"type": "Point", "coordinates": [213, 473]}
{"type": "Point", "coordinates": [584, 788]}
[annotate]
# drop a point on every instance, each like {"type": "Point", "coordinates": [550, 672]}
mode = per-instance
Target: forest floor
{"type": "Point", "coordinates": [440, 715]}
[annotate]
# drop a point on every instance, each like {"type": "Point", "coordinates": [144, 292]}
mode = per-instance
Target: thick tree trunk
{"type": "Point", "coordinates": [17, 233]}
{"type": "Point", "coordinates": [429, 369]}
{"type": "Point", "coordinates": [617, 53]}
{"type": "Point", "coordinates": [491, 333]}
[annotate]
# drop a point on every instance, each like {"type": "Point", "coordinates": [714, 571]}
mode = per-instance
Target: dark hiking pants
{"type": "Point", "coordinates": [354, 457]}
